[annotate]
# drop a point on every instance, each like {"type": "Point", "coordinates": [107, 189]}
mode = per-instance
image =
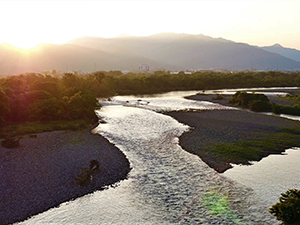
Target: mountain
{"type": "Point", "coordinates": [168, 50]}
{"type": "Point", "coordinates": [68, 57]}
{"type": "Point", "coordinates": [185, 51]}
{"type": "Point", "coordinates": [289, 53]}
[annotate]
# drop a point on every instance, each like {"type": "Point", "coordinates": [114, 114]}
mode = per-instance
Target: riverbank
{"type": "Point", "coordinates": [225, 96]}
{"type": "Point", "coordinates": [40, 173]}
{"type": "Point", "coordinates": [222, 137]}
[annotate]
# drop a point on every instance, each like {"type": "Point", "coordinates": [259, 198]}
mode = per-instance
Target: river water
{"type": "Point", "coordinates": [271, 176]}
{"type": "Point", "coordinates": [166, 185]}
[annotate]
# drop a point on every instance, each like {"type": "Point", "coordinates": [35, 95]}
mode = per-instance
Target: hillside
{"type": "Point", "coordinates": [161, 51]}
{"type": "Point", "coordinates": [286, 52]}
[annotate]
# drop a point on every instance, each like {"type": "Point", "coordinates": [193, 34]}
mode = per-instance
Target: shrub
{"type": "Point", "coordinates": [255, 102]}
{"type": "Point", "coordinates": [286, 109]}
{"type": "Point", "coordinates": [288, 208]}
{"type": "Point", "coordinates": [260, 106]}
{"type": "Point", "coordinates": [218, 97]}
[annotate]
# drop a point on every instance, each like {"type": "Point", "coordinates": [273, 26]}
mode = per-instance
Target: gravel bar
{"type": "Point", "coordinates": [40, 173]}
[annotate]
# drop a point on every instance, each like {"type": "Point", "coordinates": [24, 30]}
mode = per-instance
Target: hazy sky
{"type": "Point", "coordinates": [257, 22]}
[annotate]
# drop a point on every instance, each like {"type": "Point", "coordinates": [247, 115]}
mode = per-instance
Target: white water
{"type": "Point", "coordinates": [167, 185]}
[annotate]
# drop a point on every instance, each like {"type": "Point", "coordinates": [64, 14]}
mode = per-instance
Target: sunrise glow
{"type": "Point", "coordinates": [27, 23]}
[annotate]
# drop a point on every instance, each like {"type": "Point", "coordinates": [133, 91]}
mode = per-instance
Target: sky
{"type": "Point", "coordinates": [257, 22]}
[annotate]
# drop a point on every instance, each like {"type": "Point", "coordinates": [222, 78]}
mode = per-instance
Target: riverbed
{"type": "Point", "coordinates": [166, 185]}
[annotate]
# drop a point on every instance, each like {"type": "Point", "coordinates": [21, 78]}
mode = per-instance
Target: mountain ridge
{"type": "Point", "coordinates": [290, 53]}
{"type": "Point", "coordinates": [168, 51]}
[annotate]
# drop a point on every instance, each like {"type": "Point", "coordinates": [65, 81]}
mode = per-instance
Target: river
{"type": "Point", "coordinates": [166, 185]}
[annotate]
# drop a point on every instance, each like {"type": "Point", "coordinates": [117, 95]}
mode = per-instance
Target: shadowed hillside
{"type": "Point", "coordinates": [161, 51]}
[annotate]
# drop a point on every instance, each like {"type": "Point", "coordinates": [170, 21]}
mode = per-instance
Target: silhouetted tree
{"type": "Point", "coordinates": [287, 209]}
{"type": "Point", "coordinates": [4, 109]}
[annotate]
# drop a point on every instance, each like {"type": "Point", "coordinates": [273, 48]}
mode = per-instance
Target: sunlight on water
{"type": "Point", "coordinates": [165, 102]}
{"type": "Point", "coordinates": [167, 185]}
{"type": "Point", "coordinates": [267, 91]}
{"type": "Point", "coordinates": [271, 176]}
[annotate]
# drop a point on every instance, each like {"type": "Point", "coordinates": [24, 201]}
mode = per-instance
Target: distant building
{"type": "Point", "coordinates": [187, 72]}
{"type": "Point", "coordinates": [144, 68]}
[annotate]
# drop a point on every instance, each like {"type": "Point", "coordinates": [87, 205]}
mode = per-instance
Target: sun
{"type": "Point", "coordinates": [31, 43]}
{"type": "Point", "coordinates": [24, 44]}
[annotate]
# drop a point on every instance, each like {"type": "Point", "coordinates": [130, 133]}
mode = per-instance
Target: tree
{"type": "Point", "coordinates": [46, 110]}
{"type": "Point", "coordinates": [255, 102]}
{"type": "Point", "coordinates": [4, 109]}
{"type": "Point", "coordinates": [82, 106]}
{"type": "Point", "coordinates": [288, 208]}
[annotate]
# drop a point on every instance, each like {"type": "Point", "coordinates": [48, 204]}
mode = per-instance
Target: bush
{"type": "Point", "coordinates": [288, 208]}
{"type": "Point", "coordinates": [254, 102]}
{"type": "Point", "coordinates": [286, 109]}
{"type": "Point", "coordinates": [260, 106]}
{"type": "Point", "coordinates": [218, 97]}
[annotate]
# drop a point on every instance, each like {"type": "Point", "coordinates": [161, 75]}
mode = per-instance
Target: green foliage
{"type": "Point", "coordinates": [70, 80]}
{"type": "Point", "coordinates": [218, 97]}
{"type": "Point", "coordinates": [235, 152]}
{"type": "Point", "coordinates": [276, 141]}
{"type": "Point", "coordinates": [293, 98]}
{"type": "Point", "coordinates": [255, 102]}
{"type": "Point", "coordinates": [286, 109]}
{"type": "Point", "coordinates": [34, 96]}
{"type": "Point", "coordinates": [4, 108]}
{"type": "Point", "coordinates": [260, 106]}
{"type": "Point", "coordinates": [46, 110]}
{"type": "Point", "coordinates": [37, 97]}
{"type": "Point", "coordinates": [287, 209]}
{"type": "Point", "coordinates": [241, 152]}
{"type": "Point", "coordinates": [82, 105]}
{"type": "Point", "coordinates": [41, 126]}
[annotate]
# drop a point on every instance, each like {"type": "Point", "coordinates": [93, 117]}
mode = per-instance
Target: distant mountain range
{"type": "Point", "coordinates": [289, 53]}
{"type": "Point", "coordinates": [161, 51]}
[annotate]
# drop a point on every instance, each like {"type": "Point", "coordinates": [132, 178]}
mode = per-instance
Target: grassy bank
{"type": "Point", "coordinates": [220, 138]}
{"type": "Point", "coordinates": [19, 129]}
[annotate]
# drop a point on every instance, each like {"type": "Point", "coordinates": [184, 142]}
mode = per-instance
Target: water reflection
{"type": "Point", "coordinates": [167, 185]}
{"type": "Point", "coordinates": [165, 102]}
{"type": "Point", "coordinates": [271, 176]}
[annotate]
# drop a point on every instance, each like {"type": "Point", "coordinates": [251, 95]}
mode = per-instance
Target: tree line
{"type": "Point", "coordinates": [40, 97]}
{"type": "Point", "coordinates": [163, 81]}
{"type": "Point", "coordinates": [37, 97]}
{"type": "Point", "coordinates": [261, 103]}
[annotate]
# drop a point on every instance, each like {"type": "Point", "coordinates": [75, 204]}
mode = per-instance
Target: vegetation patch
{"type": "Point", "coordinates": [39, 127]}
{"type": "Point", "coordinates": [275, 142]}
{"type": "Point", "coordinates": [287, 209]}
{"type": "Point", "coordinates": [261, 103]}
{"type": "Point", "coordinates": [243, 152]}
{"type": "Point", "coordinates": [286, 109]}
{"type": "Point", "coordinates": [29, 101]}
{"type": "Point", "coordinates": [255, 102]}
{"type": "Point", "coordinates": [235, 152]}
{"type": "Point", "coordinates": [218, 97]}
